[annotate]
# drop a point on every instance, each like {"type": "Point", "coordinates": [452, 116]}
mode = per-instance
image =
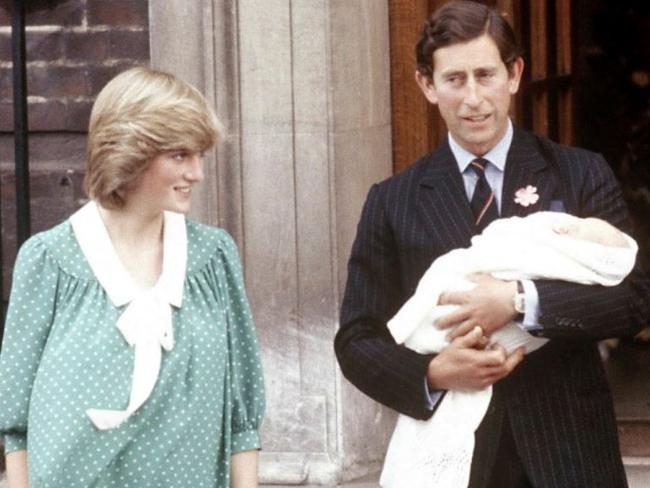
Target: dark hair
{"type": "Point", "coordinates": [461, 21]}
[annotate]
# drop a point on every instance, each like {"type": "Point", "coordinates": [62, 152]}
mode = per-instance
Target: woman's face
{"type": "Point", "coordinates": [167, 182]}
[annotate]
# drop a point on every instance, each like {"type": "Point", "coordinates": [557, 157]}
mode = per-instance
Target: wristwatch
{"type": "Point", "coordinates": [520, 302]}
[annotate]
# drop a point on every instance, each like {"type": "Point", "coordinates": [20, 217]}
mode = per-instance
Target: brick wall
{"type": "Point", "coordinates": [73, 48]}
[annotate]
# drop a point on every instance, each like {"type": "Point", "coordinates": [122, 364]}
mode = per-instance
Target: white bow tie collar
{"type": "Point", "coordinates": [146, 323]}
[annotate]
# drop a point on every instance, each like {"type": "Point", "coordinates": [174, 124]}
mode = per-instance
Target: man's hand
{"type": "Point", "coordinates": [462, 365]}
{"type": "Point", "coordinates": [489, 305]}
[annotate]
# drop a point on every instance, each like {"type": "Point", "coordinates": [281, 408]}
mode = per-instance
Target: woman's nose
{"type": "Point", "coordinates": [195, 170]}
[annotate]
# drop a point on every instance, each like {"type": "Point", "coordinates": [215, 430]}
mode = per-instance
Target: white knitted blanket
{"type": "Point", "coordinates": [438, 452]}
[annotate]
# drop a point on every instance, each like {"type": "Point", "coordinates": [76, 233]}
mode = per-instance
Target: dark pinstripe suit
{"type": "Point", "coordinates": [557, 401]}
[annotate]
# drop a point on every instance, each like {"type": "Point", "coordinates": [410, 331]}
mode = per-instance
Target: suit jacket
{"type": "Point", "coordinates": [557, 400]}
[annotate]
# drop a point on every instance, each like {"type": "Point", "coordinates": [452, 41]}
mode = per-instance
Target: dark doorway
{"type": "Point", "coordinates": [613, 107]}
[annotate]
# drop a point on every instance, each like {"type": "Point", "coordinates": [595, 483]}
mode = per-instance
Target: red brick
{"type": "Point", "coordinates": [55, 195]}
{"type": "Point", "coordinates": [5, 13]}
{"type": "Point", "coordinates": [6, 84]}
{"type": "Point", "coordinates": [87, 46]}
{"type": "Point", "coordinates": [78, 115]}
{"type": "Point", "coordinates": [118, 13]}
{"type": "Point", "coordinates": [44, 46]}
{"type": "Point", "coordinates": [40, 46]}
{"type": "Point", "coordinates": [47, 116]}
{"type": "Point", "coordinates": [5, 47]}
{"type": "Point", "coordinates": [6, 117]}
{"type": "Point", "coordinates": [57, 81]}
{"type": "Point", "coordinates": [100, 75]}
{"type": "Point", "coordinates": [115, 44]}
{"type": "Point", "coordinates": [56, 12]}
{"type": "Point", "coordinates": [47, 12]}
{"type": "Point", "coordinates": [131, 45]}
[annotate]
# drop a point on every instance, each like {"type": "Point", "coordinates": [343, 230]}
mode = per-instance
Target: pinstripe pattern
{"type": "Point", "coordinates": [557, 401]}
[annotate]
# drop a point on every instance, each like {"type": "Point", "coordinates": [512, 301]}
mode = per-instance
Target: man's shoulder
{"type": "Point", "coordinates": [563, 153]}
{"type": "Point", "coordinates": [406, 177]}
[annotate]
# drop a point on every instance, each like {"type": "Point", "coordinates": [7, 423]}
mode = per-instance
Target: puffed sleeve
{"type": "Point", "coordinates": [29, 316]}
{"type": "Point", "coordinates": [246, 380]}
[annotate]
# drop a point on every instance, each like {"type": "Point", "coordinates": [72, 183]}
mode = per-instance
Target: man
{"type": "Point", "coordinates": [551, 421]}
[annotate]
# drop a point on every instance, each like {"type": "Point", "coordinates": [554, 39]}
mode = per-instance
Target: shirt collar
{"type": "Point", "coordinates": [96, 245]}
{"type": "Point", "coordinates": [496, 156]}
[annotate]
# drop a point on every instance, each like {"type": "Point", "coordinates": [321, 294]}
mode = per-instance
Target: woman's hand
{"type": "Point", "coordinates": [243, 469]}
{"type": "Point", "coordinates": [17, 469]}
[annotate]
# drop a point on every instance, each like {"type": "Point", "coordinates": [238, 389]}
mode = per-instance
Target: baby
{"type": "Point", "coordinates": [544, 245]}
{"type": "Point", "coordinates": [593, 230]}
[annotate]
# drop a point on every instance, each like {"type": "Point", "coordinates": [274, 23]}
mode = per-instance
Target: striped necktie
{"type": "Point", "coordinates": [484, 205]}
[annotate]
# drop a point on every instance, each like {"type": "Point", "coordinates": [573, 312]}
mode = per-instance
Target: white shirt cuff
{"type": "Point", "coordinates": [431, 397]}
{"type": "Point", "coordinates": [531, 316]}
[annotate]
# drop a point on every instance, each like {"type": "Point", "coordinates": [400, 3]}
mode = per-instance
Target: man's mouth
{"type": "Point", "coordinates": [476, 118]}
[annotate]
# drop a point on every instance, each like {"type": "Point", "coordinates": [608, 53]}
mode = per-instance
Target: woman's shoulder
{"type": "Point", "coordinates": [205, 243]}
{"type": "Point", "coordinates": [57, 246]}
{"type": "Point", "coordinates": [52, 240]}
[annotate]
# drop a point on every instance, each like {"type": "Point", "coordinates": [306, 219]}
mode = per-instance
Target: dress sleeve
{"type": "Point", "coordinates": [246, 379]}
{"type": "Point", "coordinates": [29, 316]}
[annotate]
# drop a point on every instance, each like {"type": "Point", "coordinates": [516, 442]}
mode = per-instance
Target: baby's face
{"type": "Point", "coordinates": [593, 230]}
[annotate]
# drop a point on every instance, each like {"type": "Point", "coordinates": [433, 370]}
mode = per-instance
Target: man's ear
{"type": "Point", "coordinates": [514, 75]}
{"type": "Point", "coordinates": [426, 85]}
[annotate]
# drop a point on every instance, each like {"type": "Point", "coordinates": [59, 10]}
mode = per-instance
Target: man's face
{"type": "Point", "coordinates": [472, 88]}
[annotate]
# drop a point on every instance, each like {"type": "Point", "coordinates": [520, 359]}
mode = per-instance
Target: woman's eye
{"type": "Point", "coordinates": [179, 156]}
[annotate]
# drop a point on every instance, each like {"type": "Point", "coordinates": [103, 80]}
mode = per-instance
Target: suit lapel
{"type": "Point", "coordinates": [442, 202]}
{"type": "Point", "coordinates": [525, 165]}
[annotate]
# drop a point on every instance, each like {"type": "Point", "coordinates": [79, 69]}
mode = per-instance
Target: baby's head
{"type": "Point", "coordinates": [593, 230]}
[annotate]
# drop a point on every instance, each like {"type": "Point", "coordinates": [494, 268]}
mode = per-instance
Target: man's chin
{"type": "Point", "coordinates": [479, 144]}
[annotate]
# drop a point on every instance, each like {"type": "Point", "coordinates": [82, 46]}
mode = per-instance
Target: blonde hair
{"type": "Point", "coordinates": [139, 114]}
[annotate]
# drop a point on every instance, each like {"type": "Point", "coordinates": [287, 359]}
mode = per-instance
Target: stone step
{"type": "Point", "coordinates": [634, 436]}
{"type": "Point", "coordinates": [637, 469]}
{"type": "Point", "coordinates": [628, 372]}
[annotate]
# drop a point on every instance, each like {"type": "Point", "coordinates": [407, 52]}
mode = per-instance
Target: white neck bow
{"type": "Point", "coordinates": [146, 323]}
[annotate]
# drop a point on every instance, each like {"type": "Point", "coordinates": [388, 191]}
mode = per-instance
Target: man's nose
{"type": "Point", "coordinates": [473, 96]}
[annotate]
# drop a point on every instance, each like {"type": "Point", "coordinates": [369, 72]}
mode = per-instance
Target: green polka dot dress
{"type": "Point", "coordinates": [62, 355]}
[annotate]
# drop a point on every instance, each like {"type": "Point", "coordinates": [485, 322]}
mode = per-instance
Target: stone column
{"type": "Point", "coordinates": [302, 88]}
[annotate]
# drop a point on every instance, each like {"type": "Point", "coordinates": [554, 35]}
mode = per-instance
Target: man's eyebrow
{"type": "Point", "coordinates": [449, 73]}
{"type": "Point", "coordinates": [486, 69]}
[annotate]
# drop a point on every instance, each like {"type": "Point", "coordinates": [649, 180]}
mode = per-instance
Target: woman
{"type": "Point", "coordinates": [129, 357]}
